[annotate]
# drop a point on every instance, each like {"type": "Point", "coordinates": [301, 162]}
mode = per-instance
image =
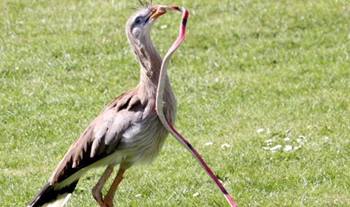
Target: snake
{"type": "Point", "coordinates": [160, 104]}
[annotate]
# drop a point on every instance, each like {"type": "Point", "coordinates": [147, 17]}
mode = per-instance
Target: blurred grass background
{"type": "Point", "coordinates": [262, 86]}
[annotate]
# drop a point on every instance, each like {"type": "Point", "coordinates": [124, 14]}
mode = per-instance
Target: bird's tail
{"type": "Point", "coordinates": [51, 197]}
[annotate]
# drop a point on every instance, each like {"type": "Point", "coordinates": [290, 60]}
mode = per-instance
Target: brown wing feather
{"type": "Point", "coordinates": [92, 145]}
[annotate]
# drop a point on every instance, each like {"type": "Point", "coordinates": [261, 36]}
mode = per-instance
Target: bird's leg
{"type": "Point", "coordinates": [108, 199]}
{"type": "Point", "coordinates": [97, 189]}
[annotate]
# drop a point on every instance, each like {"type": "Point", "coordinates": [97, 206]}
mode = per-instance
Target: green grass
{"type": "Point", "coordinates": [250, 71]}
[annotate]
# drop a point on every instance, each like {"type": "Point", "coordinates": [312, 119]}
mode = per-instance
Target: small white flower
{"type": "Point", "coordinates": [164, 26]}
{"type": "Point", "coordinates": [287, 139]}
{"type": "Point", "coordinates": [269, 142]}
{"type": "Point", "coordinates": [66, 56]}
{"type": "Point", "coordinates": [288, 148]}
{"type": "Point", "coordinates": [196, 194]}
{"type": "Point", "coordinates": [276, 148]}
{"type": "Point", "coordinates": [224, 146]}
{"type": "Point", "coordinates": [300, 141]}
{"type": "Point", "coordinates": [138, 195]}
{"type": "Point", "coordinates": [208, 143]}
{"type": "Point", "coordinates": [260, 130]}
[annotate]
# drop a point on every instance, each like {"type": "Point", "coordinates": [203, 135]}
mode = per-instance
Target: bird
{"type": "Point", "coordinates": [127, 132]}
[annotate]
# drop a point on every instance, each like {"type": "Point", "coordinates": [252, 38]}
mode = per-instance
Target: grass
{"type": "Point", "coordinates": [252, 74]}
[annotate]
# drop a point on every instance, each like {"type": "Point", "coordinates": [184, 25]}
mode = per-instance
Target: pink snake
{"type": "Point", "coordinates": [167, 124]}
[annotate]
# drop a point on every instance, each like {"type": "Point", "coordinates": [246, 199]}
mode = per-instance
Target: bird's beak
{"type": "Point", "coordinates": [157, 11]}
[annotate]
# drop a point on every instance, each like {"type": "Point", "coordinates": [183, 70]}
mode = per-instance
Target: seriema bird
{"type": "Point", "coordinates": [128, 131]}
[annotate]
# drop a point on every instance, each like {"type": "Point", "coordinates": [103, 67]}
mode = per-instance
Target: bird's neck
{"type": "Point", "coordinates": [150, 62]}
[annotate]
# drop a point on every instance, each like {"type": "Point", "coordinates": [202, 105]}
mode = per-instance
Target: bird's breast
{"type": "Point", "coordinates": [143, 141]}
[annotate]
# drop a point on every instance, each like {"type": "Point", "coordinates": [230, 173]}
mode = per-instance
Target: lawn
{"type": "Point", "coordinates": [262, 86]}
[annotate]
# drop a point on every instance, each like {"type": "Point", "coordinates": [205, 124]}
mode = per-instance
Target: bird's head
{"type": "Point", "coordinates": [139, 25]}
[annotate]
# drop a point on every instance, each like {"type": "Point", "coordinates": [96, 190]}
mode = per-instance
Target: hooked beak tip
{"type": "Point", "coordinates": [160, 10]}
{"type": "Point", "coordinates": [157, 12]}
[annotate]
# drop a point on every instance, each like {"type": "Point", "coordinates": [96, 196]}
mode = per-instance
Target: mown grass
{"type": "Point", "coordinates": [250, 72]}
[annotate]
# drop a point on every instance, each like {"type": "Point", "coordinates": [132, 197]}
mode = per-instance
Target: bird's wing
{"type": "Point", "coordinates": [102, 136]}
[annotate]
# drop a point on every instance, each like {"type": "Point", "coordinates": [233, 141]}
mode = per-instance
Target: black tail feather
{"type": "Point", "coordinates": [48, 194]}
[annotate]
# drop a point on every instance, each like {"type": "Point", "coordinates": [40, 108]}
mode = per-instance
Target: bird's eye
{"type": "Point", "coordinates": [138, 20]}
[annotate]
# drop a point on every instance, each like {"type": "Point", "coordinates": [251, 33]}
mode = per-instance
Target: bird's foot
{"type": "Point", "coordinates": [108, 202]}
